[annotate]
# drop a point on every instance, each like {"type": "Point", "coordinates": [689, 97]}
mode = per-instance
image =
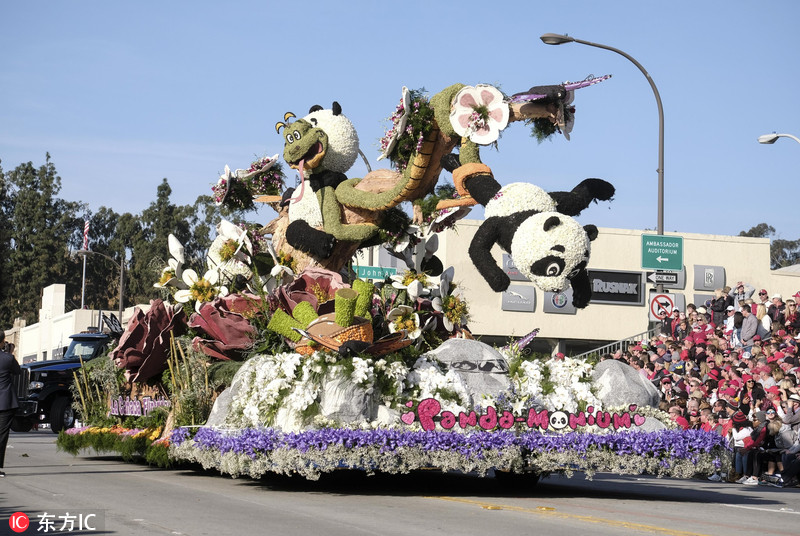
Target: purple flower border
{"type": "Point", "coordinates": [664, 444]}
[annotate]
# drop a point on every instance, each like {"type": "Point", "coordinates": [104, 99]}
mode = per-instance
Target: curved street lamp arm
{"type": "Point", "coordinates": [660, 169]}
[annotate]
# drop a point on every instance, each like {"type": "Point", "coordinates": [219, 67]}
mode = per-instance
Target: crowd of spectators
{"type": "Point", "coordinates": [731, 365]}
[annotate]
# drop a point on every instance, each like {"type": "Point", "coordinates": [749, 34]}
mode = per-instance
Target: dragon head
{"type": "Point", "coordinates": [322, 140]}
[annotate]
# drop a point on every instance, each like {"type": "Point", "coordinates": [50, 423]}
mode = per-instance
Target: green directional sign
{"type": "Point", "coordinates": [661, 252]}
{"type": "Point", "coordinates": [374, 272]}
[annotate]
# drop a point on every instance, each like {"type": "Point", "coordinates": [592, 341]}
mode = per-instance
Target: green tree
{"type": "Point", "coordinates": [43, 230]}
{"type": "Point", "coordinates": [782, 252]}
{"type": "Point", "coordinates": [146, 240]}
{"type": "Point", "coordinates": [5, 250]}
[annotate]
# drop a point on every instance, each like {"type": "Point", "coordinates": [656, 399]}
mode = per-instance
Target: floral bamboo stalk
{"type": "Point", "coordinates": [346, 300]}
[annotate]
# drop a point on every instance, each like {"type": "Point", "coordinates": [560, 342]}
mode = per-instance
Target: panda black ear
{"type": "Point", "coordinates": [552, 221]}
{"type": "Point", "coordinates": [337, 108]}
{"type": "Point", "coordinates": [314, 108]}
{"type": "Point", "coordinates": [591, 231]}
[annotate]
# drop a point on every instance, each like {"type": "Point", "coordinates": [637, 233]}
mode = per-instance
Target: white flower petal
{"type": "Point", "coordinates": [448, 325]}
{"type": "Point", "coordinates": [190, 277]}
{"type": "Point", "coordinates": [414, 290]}
{"type": "Point", "coordinates": [431, 245]}
{"type": "Point", "coordinates": [183, 296]}
{"type": "Point", "coordinates": [176, 248]}
{"type": "Point", "coordinates": [398, 311]}
{"type": "Point", "coordinates": [212, 276]}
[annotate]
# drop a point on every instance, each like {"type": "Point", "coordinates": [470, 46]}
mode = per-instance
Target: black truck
{"type": "Point", "coordinates": [43, 387]}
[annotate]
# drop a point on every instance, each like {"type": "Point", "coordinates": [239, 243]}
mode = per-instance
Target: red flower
{"type": "Point", "coordinates": [143, 348]}
{"type": "Point", "coordinates": [316, 286]}
{"type": "Point", "coordinates": [224, 321]}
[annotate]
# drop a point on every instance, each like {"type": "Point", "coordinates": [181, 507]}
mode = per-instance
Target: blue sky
{"type": "Point", "coordinates": [125, 94]}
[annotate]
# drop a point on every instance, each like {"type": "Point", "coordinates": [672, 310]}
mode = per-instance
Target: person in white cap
{"type": "Point", "coordinates": [730, 311]}
{"type": "Point", "coordinates": [777, 308]}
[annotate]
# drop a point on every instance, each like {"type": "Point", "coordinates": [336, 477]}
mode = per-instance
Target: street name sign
{"type": "Point", "coordinates": [374, 272]}
{"type": "Point", "coordinates": [664, 253]}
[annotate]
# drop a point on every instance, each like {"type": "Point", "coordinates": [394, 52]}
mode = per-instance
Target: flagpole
{"type": "Point", "coordinates": [83, 282]}
{"type": "Point", "coordinates": [85, 247]}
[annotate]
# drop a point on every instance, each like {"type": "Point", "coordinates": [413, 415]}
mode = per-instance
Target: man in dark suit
{"type": "Point", "coordinates": [8, 398]}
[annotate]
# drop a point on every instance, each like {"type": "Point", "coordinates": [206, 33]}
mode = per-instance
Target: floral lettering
{"type": "Point", "coordinates": [603, 419]}
{"type": "Point", "coordinates": [465, 420]}
{"type": "Point", "coordinates": [426, 411]}
{"type": "Point", "coordinates": [448, 420]}
{"type": "Point", "coordinates": [507, 420]}
{"type": "Point", "coordinates": [577, 420]}
{"type": "Point", "coordinates": [488, 421]}
{"type": "Point", "coordinates": [539, 420]}
{"type": "Point", "coordinates": [429, 409]}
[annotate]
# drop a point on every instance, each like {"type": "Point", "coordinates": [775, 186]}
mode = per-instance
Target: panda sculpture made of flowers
{"type": "Point", "coordinates": [535, 227]}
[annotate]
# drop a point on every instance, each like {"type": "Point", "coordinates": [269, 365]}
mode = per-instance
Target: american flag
{"type": "Point", "coordinates": [86, 234]}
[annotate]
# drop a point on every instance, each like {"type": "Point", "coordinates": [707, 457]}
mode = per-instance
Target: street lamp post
{"type": "Point", "coordinates": [769, 139]}
{"type": "Point", "coordinates": [120, 265]}
{"type": "Point", "coordinates": [557, 39]}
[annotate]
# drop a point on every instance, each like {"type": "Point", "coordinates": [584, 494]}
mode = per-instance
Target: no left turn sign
{"type": "Point", "coordinates": [661, 305]}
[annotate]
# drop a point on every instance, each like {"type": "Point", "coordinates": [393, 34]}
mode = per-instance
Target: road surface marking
{"type": "Point", "coordinates": [779, 510]}
{"type": "Point", "coordinates": [551, 512]}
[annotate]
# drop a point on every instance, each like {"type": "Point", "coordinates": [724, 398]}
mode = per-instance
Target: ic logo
{"type": "Point", "coordinates": [19, 522]}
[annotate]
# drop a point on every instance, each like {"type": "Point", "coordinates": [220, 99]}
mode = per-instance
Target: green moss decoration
{"type": "Point", "coordinates": [469, 153]}
{"type": "Point", "coordinates": [332, 212]}
{"type": "Point", "coordinates": [346, 299]}
{"type": "Point", "coordinates": [365, 290]}
{"type": "Point", "coordinates": [441, 103]}
{"type": "Point", "coordinates": [282, 324]}
{"type": "Point", "coordinates": [304, 313]}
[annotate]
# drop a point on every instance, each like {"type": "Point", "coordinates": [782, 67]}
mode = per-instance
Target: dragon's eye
{"type": "Point", "coordinates": [297, 135]}
{"type": "Point", "coordinates": [289, 138]}
{"type": "Point", "coordinates": [553, 269]}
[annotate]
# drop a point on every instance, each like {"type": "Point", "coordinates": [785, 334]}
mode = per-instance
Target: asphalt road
{"type": "Point", "coordinates": [133, 499]}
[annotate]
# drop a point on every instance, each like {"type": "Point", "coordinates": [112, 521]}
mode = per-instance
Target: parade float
{"type": "Point", "coordinates": [276, 358]}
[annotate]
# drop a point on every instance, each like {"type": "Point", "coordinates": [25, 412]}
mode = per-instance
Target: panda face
{"type": "Point", "coordinates": [549, 249]}
{"type": "Point", "coordinates": [558, 420]}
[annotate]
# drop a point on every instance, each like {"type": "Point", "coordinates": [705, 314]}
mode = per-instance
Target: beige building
{"type": "Point", "coordinates": [622, 296]}
{"type": "Point", "coordinates": [49, 337]}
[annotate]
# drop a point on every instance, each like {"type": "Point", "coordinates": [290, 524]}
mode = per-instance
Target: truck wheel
{"type": "Point", "coordinates": [21, 425]}
{"type": "Point", "coordinates": [62, 415]}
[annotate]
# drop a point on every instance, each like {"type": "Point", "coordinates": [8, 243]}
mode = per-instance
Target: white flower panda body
{"type": "Point", "coordinates": [547, 247]}
{"type": "Point", "coordinates": [535, 227]}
